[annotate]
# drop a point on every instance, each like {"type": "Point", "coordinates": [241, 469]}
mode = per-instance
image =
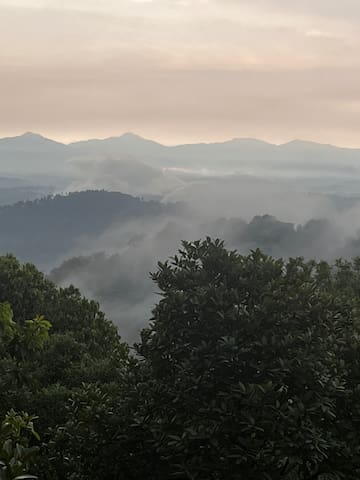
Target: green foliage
{"type": "Point", "coordinates": [7, 324]}
{"type": "Point", "coordinates": [42, 367]}
{"type": "Point", "coordinates": [254, 366]}
{"type": "Point", "coordinates": [104, 436]}
{"type": "Point", "coordinates": [250, 368]}
{"type": "Point", "coordinates": [16, 430]}
{"type": "Point", "coordinates": [32, 335]}
{"type": "Point", "coordinates": [16, 453]}
{"type": "Point", "coordinates": [36, 332]}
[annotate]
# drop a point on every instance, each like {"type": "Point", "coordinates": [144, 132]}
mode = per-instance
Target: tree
{"type": "Point", "coordinates": [17, 454]}
{"type": "Point", "coordinates": [250, 368]}
{"type": "Point", "coordinates": [253, 367]}
{"type": "Point", "coordinates": [40, 371]}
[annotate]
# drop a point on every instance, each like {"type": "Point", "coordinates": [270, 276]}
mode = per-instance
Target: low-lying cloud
{"type": "Point", "coordinates": [126, 175]}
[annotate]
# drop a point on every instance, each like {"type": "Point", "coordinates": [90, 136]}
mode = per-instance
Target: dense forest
{"type": "Point", "coordinates": [46, 229]}
{"type": "Point", "coordinates": [249, 368]}
{"type": "Point", "coordinates": [51, 229]}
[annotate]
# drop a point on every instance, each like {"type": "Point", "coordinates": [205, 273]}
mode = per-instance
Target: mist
{"type": "Point", "coordinates": [114, 268]}
{"type": "Point", "coordinates": [296, 199]}
{"type": "Point", "coordinates": [126, 175]}
{"type": "Point", "coordinates": [314, 216]}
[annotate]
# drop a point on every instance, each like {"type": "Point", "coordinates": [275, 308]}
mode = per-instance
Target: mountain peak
{"type": "Point", "coordinates": [31, 135]}
{"type": "Point", "coordinates": [249, 141]}
{"type": "Point", "coordinates": [299, 143]}
{"type": "Point", "coordinates": [133, 137]}
{"type": "Point", "coordinates": [30, 140]}
{"type": "Point", "coordinates": [130, 135]}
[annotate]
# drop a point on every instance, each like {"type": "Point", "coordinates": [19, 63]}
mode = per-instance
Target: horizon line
{"type": "Point", "coordinates": [215, 142]}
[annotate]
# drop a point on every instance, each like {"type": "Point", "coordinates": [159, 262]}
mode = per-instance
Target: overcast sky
{"type": "Point", "coordinates": [181, 70]}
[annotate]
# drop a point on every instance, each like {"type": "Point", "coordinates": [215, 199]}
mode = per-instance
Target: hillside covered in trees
{"type": "Point", "coordinates": [46, 229]}
{"type": "Point", "coordinates": [51, 229]}
{"type": "Point", "coordinates": [249, 368]}
{"type": "Point", "coordinates": [106, 243]}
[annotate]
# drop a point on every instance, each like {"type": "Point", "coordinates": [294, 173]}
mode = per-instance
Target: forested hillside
{"type": "Point", "coordinates": [46, 229]}
{"type": "Point", "coordinates": [106, 243]}
{"type": "Point", "coordinates": [249, 369]}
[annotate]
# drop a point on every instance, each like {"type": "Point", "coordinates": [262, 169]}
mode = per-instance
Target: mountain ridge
{"type": "Point", "coordinates": [31, 153]}
{"type": "Point", "coordinates": [135, 137]}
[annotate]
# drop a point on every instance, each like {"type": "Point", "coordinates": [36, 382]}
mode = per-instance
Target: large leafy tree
{"type": "Point", "coordinates": [253, 367]}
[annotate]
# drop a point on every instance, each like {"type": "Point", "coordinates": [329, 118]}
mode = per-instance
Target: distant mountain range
{"type": "Point", "coordinates": [31, 154]}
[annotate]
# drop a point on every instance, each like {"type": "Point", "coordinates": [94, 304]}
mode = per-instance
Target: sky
{"type": "Point", "coordinates": [181, 71]}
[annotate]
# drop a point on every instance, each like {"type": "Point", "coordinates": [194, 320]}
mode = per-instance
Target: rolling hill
{"type": "Point", "coordinates": [45, 230]}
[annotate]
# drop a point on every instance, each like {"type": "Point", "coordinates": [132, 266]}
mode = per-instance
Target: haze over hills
{"type": "Point", "coordinates": [47, 230]}
{"type": "Point", "coordinates": [31, 153]}
{"type": "Point", "coordinates": [299, 198]}
{"type": "Point", "coordinates": [106, 243]}
{"type": "Point", "coordinates": [116, 271]}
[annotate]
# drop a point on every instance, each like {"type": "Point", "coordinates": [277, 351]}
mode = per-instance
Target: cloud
{"type": "Point", "coordinates": [310, 8]}
{"type": "Point", "coordinates": [206, 71]}
{"type": "Point", "coordinates": [107, 98]}
{"type": "Point", "coordinates": [126, 175]}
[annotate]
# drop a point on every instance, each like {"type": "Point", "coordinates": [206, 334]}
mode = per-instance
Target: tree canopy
{"type": "Point", "coordinates": [42, 367]}
{"type": "Point", "coordinates": [249, 368]}
{"type": "Point", "coordinates": [255, 361]}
